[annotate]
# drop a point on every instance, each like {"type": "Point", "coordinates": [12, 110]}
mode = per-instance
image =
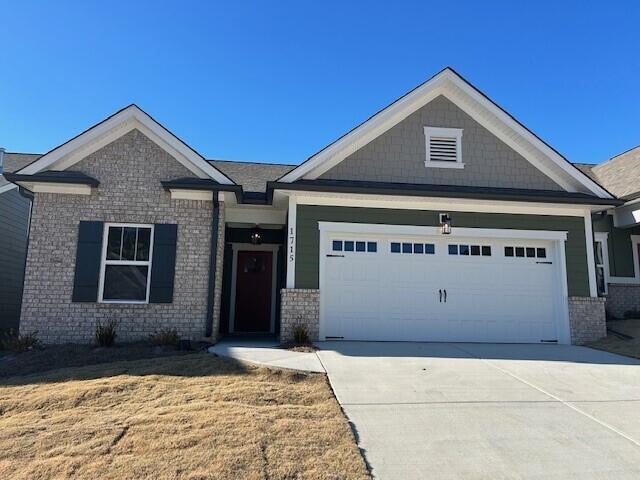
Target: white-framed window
{"type": "Point", "coordinates": [443, 147]}
{"type": "Point", "coordinates": [125, 271]}
{"type": "Point", "coordinates": [601, 257]}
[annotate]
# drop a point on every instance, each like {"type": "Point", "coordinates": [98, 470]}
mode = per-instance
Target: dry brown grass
{"type": "Point", "coordinates": [181, 417]}
{"type": "Point", "coordinates": [622, 346]}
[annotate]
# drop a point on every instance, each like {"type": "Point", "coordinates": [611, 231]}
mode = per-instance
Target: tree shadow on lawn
{"type": "Point", "coordinates": [82, 362]}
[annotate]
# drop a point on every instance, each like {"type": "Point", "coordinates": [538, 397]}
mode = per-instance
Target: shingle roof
{"type": "Point", "coordinates": [16, 161]}
{"type": "Point", "coordinates": [587, 169]}
{"type": "Point", "coordinates": [252, 176]}
{"type": "Point", "coordinates": [621, 174]}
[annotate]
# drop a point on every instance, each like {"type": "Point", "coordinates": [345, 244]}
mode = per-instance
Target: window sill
{"type": "Point", "coordinates": [123, 302]}
{"type": "Point", "coordinates": [430, 164]}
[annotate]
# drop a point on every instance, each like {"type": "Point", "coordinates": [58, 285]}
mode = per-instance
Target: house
{"type": "Point", "coordinates": [15, 209]}
{"type": "Point", "coordinates": [440, 218]}
{"type": "Point", "coordinates": [617, 234]}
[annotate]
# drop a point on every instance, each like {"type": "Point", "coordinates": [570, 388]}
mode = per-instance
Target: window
{"type": "Point", "coordinates": [470, 250]}
{"type": "Point", "coordinates": [415, 248]}
{"type": "Point", "coordinates": [126, 263]}
{"type": "Point", "coordinates": [354, 246]}
{"type": "Point", "coordinates": [443, 147]}
{"type": "Point", "coordinates": [525, 252]}
{"type": "Point", "coordinates": [601, 279]}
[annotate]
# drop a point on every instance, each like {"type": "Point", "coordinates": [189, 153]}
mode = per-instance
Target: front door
{"type": "Point", "coordinates": [253, 292]}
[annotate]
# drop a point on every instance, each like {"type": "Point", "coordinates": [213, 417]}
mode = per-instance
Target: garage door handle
{"type": "Point", "coordinates": [445, 295]}
{"type": "Point", "coordinates": [330, 255]}
{"type": "Point", "coordinates": [440, 295]}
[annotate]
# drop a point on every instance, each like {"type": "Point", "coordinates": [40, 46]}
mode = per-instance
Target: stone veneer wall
{"type": "Point", "coordinates": [587, 319]}
{"type": "Point", "coordinates": [129, 170]}
{"type": "Point", "coordinates": [217, 290]}
{"type": "Point", "coordinates": [299, 306]}
{"type": "Point", "coordinates": [623, 298]}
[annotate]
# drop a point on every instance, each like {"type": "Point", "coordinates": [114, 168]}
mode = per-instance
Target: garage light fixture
{"type": "Point", "coordinates": [445, 223]}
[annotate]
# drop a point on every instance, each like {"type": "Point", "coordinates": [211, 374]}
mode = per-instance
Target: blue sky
{"type": "Point", "coordinates": [277, 80]}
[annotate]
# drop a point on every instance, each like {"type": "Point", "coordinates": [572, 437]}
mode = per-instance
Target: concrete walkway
{"type": "Point", "coordinates": [267, 353]}
{"type": "Point", "coordinates": [483, 411]}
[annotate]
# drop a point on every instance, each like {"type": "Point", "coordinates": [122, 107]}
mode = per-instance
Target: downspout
{"type": "Point", "coordinates": [215, 221]}
{"type": "Point", "coordinates": [29, 196]}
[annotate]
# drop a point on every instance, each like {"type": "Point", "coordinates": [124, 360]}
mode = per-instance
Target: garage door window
{"type": "Point", "coordinates": [412, 248]}
{"type": "Point", "coordinates": [525, 252]}
{"type": "Point", "coordinates": [470, 250]}
{"type": "Point", "coordinates": [357, 246]}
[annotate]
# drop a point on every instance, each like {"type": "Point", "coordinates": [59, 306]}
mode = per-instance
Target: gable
{"type": "Point", "coordinates": [399, 154]}
{"type": "Point", "coordinates": [473, 102]}
{"type": "Point", "coordinates": [117, 125]}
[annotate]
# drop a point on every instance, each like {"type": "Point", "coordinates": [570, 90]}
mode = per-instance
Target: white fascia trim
{"type": "Point", "coordinates": [378, 229]}
{"type": "Point", "coordinates": [113, 128]}
{"type": "Point", "coordinates": [63, 188]}
{"type": "Point", "coordinates": [178, 194]}
{"type": "Point", "coordinates": [6, 188]}
{"type": "Point", "coordinates": [446, 83]}
{"type": "Point", "coordinates": [444, 204]}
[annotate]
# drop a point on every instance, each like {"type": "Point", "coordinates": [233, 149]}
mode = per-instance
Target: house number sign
{"type": "Point", "coordinates": [292, 249]}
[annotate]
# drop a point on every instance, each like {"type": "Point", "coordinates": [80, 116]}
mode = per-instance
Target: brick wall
{"type": "Point", "coordinates": [129, 170]}
{"type": "Point", "coordinates": [398, 155]}
{"type": "Point", "coordinates": [623, 298]}
{"type": "Point", "coordinates": [587, 319]}
{"type": "Point", "coordinates": [299, 306]}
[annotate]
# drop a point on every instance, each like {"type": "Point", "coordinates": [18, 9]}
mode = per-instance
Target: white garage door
{"type": "Point", "coordinates": [440, 288]}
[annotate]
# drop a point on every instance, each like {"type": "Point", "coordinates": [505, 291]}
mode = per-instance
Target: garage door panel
{"type": "Point", "coordinates": [387, 295]}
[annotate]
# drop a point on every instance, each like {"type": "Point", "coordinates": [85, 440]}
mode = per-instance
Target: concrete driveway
{"type": "Point", "coordinates": [467, 411]}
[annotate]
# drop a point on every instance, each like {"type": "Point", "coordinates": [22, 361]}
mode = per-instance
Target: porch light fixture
{"type": "Point", "coordinates": [445, 223]}
{"type": "Point", "coordinates": [256, 236]}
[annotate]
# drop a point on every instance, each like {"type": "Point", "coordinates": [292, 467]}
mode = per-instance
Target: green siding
{"type": "Point", "coordinates": [620, 246]}
{"type": "Point", "coordinates": [308, 235]}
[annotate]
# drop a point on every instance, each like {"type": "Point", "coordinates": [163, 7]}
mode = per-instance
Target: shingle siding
{"type": "Point", "coordinates": [308, 235]}
{"type": "Point", "coordinates": [398, 155]}
{"type": "Point", "coordinates": [129, 170]}
{"type": "Point", "coordinates": [14, 224]}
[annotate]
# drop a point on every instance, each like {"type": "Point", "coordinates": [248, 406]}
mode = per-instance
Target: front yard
{"type": "Point", "coordinates": [191, 416]}
{"type": "Point", "coordinates": [620, 344]}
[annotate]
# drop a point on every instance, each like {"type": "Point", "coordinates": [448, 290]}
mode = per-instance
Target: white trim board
{"type": "Point", "coordinates": [236, 247]}
{"type": "Point", "coordinates": [434, 203]}
{"type": "Point", "coordinates": [380, 229]}
{"type": "Point", "coordinates": [114, 127]}
{"type": "Point", "coordinates": [449, 84]}
{"type": "Point", "coordinates": [8, 187]}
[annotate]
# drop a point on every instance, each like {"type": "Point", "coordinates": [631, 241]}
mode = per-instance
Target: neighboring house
{"type": "Point", "coordinates": [15, 209]}
{"type": "Point", "coordinates": [617, 233]}
{"type": "Point", "coordinates": [440, 218]}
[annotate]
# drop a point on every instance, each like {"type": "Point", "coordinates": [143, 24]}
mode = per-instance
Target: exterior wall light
{"type": "Point", "coordinates": [445, 223]}
{"type": "Point", "coordinates": [256, 235]}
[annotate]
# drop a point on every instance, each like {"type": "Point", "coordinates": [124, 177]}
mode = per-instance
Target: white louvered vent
{"type": "Point", "coordinates": [443, 146]}
{"type": "Point", "coordinates": [443, 149]}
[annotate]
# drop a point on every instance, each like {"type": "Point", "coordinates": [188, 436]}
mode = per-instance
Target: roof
{"type": "Point", "coordinates": [448, 191]}
{"type": "Point", "coordinates": [587, 169]}
{"type": "Point", "coordinates": [621, 174]}
{"type": "Point", "coordinates": [14, 162]}
{"type": "Point", "coordinates": [253, 176]}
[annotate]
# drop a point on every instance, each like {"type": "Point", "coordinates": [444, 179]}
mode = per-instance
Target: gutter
{"type": "Point", "coordinates": [442, 191]}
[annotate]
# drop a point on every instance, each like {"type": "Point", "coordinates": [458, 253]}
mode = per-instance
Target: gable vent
{"type": "Point", "coordinates": [443, 149]}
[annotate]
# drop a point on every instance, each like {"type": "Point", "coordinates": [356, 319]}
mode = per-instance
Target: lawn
{"type": "Point", "coordinates": [618, 343]}
{"type": "Point", "coordinates": [188, 416]}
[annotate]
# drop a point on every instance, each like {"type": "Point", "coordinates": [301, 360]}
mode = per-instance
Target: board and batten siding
{"type": "Point", "coordinates": [308, 235]}
{"type": "Point", "coordinates": [14, 231]}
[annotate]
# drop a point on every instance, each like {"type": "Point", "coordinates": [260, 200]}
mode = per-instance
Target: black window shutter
{"type": "Point", "coordinates": [88, 253]}
{"type": "Point", "coordinates": [163, 263]}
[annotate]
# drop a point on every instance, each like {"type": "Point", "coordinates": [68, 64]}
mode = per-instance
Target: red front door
{"type": "Point", "coordinates": [253, 292]}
